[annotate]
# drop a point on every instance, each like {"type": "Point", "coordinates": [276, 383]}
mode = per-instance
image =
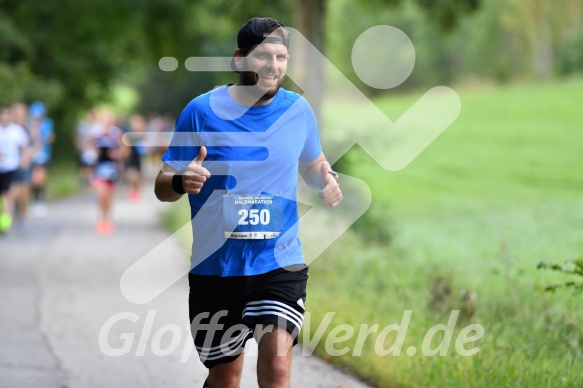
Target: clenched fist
{"type": "Point", "coordinates": [330, 192]}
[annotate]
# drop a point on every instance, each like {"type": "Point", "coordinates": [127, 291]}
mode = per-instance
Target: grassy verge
{"type": "Point", "coordinates": [468, 220]}
{"type": "Point", "coordinates": [175, 217]}
{"type": "Point", "coordinates": [63, 180]}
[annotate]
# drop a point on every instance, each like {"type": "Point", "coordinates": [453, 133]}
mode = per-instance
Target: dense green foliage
{"type": "Point", "coordinates": [500, 41]}
{"type": "Point", "coordinates": [69, 54]}
{"type": "Point", "coordinates": [79, 48]}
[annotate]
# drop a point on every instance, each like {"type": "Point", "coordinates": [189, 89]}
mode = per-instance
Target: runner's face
{"type": "Point", "coordinates": [265, 68]}
{"type": "Point", "coordinates": [5, 117]}
{"type": "Point", "coordinates": [19, 113]}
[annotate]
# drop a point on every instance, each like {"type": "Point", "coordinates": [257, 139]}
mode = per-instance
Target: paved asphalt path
{"type": "Point", "coordinates": [60, 285]}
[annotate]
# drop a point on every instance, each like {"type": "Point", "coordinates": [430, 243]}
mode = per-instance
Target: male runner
{"type": "Point", "coordinates": [237, 151]}
{"type": "Point", "coordinates": [43, 136]}
{"type": "Point", "coordinates": [13, 142]}
{"type": "Point", "coordinates": [21, 184]}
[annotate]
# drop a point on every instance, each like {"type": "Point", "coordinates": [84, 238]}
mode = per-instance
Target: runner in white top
{"type": "Point", "coordinates": [13, 142]}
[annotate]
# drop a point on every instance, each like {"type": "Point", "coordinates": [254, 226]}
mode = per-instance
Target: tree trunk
{"type": "Point", "coordinates": [309, 20]}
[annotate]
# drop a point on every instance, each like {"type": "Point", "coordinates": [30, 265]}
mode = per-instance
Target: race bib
{"type": "Point", "coordinates": [89, 157]}
{"type": "Point", "coordinates": [252, 217]}
{"type": "Point", "coordinates": [106, 170]}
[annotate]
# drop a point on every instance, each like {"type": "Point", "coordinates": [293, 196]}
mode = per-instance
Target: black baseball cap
{"type": "Point", "coordinates": [251, 33]}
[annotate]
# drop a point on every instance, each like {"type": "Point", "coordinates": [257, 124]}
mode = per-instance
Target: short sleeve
{"type": "Point", "coordinates": [312, 147]}
{"type": "Point", "coordinates": [48, 129]}
{"type": "Point", "coordinates": [184, 146]}
{"type": "Point", "coordinates": [22, 137]}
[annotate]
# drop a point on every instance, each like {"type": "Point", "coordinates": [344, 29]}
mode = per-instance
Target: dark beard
{"type": "Point", "coordinates": [250, 78]}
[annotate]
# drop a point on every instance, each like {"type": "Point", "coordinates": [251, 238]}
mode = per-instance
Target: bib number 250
{"type": "Point", "coordinates": [254, 216]}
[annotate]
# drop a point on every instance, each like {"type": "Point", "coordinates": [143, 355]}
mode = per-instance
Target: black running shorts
{"type": "Point", "coordinates": [225, 310]}
{"type": "Point", "coordinates": [5, 181]}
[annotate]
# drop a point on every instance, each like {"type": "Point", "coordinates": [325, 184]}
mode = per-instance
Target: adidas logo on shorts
{"type": "Point", "coordinates": [300, 302]}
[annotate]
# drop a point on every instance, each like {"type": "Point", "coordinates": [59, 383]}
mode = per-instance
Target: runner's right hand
{"type": "Point", "coordinates": [194, 176]}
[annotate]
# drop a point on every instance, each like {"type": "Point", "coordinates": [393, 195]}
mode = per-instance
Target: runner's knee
{"type": "Point", "coordinates": [223, 377]}
{"type": "Point", "coordinates": [274, 372]}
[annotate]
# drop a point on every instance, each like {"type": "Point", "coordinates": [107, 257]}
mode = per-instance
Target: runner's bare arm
{"type": "Point", "coordinates": [318, 175]}
{"type": "Point", "coordinates": [22, 162]}
{"type": "Point", "coordinates": [189, 180]}
{"type": "Point", "coordinates": [163, 185]}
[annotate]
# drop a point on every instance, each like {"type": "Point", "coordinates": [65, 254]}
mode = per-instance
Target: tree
{"type": "Point", "coordinates": [310, 16]}
{"type": "Point", "coordinates": [68, 53]}
{"type": "Point", "coordinates": [309, 20]}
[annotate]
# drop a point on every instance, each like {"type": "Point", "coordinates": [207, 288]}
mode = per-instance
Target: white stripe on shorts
{"type": "Point", "coordinates": [276, 303]}
{"type": "Point", "coordinates": [226, 349]}
{"type": "Point", "coordinates": [272, 307]}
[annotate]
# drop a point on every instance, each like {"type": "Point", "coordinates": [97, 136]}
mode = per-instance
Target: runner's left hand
{"type": "Point", "coordinates": [330, 193]}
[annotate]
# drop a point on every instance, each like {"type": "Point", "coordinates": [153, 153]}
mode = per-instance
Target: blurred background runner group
{"type": "Point", "coordinates": [27, 136]}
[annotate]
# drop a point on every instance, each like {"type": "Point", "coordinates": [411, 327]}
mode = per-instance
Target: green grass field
{"type": "Point", "coordinates": [496, 193]}
{"type": "Point", "coordinates": [463, 227]}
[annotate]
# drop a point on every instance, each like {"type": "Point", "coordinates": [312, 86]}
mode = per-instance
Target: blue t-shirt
{"type": "Point", "coordinates": [43, 156]}
{"type": "Point", "coordinates": [251, 151]}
